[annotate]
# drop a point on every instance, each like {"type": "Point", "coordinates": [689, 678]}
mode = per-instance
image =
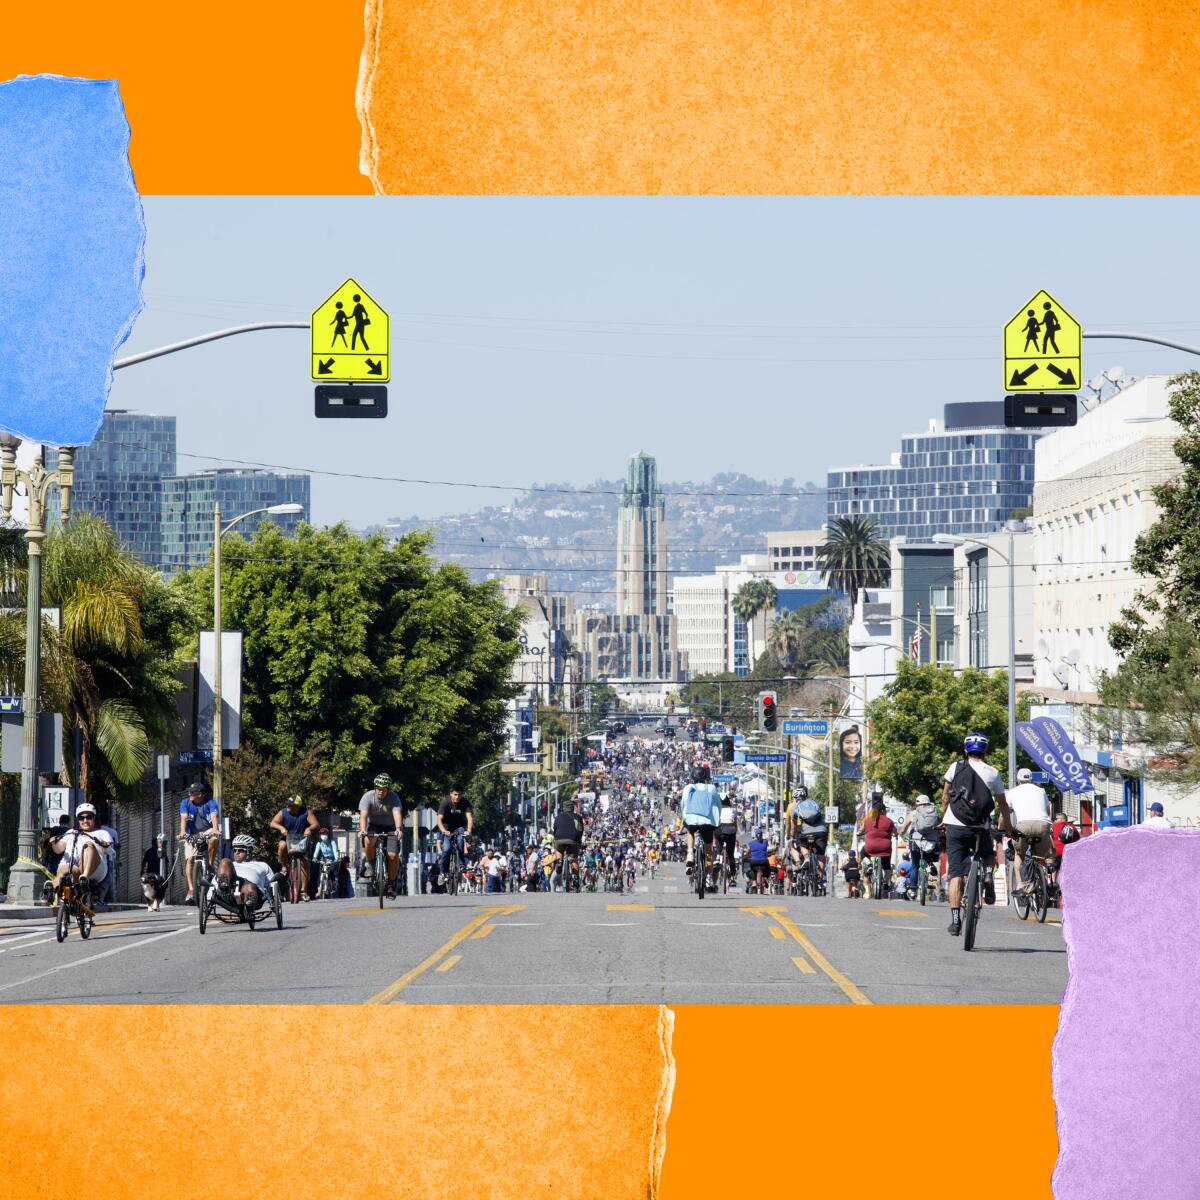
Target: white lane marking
{"type": "Point", "coordinates": [517, 924]}
{"type": "Point", "coordinates": [79, 962]}
{"type": "Point", "coordinates": [670, 887]}
{"type": "Point", "coordinates": [893, 925]}
{"type": "Point", "coordinates": [611, 924]}
{"type": "Point", "coordinates": [708, 924]}
{"type": "Point", "coordinates": [21, 943]}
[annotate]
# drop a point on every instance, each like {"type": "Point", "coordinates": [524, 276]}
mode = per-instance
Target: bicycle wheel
{"type": "Point", "coordinates": [294, 881]}
{"type": "Point", "coordinates": [1041, 893]}
{"type": "Point", "coordinates": [725, 869]}
{"type": "Point", "coordinates": [1021, 899]}
{"type": "Point", "coordinates": [62, 918]}
{"type": "Point", "coordinates": [277, 904]}
{"type": "Point", "coordinates": [452, 875]}
{"type": "Point", "coordinates": [381, 866]}
{"type": "Point", "coordinates": [970, 910]}
{"type": "Point", "coordinates": [86, 922]}
{"type": "Point", "coordinates": [700, 869]}
{"type": "Point", "coordinates": [250, 917]}
{"type": "Point", "coordinates": [923, 880]}
{"type": "Point", "coordinates": [202, 909]}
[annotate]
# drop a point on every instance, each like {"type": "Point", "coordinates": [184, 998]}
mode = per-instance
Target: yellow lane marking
{"type": "Point", "coordinates": [900, 912]}
{"type": "Point", "coordinates": [482, 932]}
{"type": "Point", "coordinates": [847, 988]}
{"type": "Point", "coordinates": [804, 965]}
{"type": "Point", "coordinates": [454, 958]}
{"type": "Point", "coordinates": [629, 908]}
{"type": "Point", "coordinates": [777, 933]}
{"type": "Point", "coordinates": [390, 992]}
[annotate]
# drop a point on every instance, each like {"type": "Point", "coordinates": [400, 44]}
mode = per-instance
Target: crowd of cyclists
{"type": "Point", "coordinates": [644, 803]}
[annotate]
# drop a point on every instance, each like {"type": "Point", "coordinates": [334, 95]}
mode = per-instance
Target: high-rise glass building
{"type": "Point", "coordinates": [119, 477]}
{"type": "Point", "coordinates": [966, 474]}
{"type": "Point", "coordinates": [188, 503]}
{"type": "Point", "coordinates": [641, 542]}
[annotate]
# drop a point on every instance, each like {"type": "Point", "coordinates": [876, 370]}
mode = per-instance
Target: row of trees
{"type": "Point", "coordinates": [358, 656]}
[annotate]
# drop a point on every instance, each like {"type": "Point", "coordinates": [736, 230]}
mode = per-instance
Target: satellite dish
{"type": "Point", "coordinates": [1043, 649]}
{"type": "Point", "coordinates": [1114, 374]}
{"type": "Point", "coordinates": [1096, 383]}
{"type": "Point", "coordinates": [1071, 657]}
{"type": "Point", "coordinates": [1062, 675]}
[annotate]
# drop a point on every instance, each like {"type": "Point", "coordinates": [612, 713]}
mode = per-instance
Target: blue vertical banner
{"type": "Point", "coordinates": [1041, 753]}
{"type": "Point", "coordinates": [1063, 749]}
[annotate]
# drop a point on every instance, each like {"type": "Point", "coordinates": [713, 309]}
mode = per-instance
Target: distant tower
{"type": "Point", "coordinates": [642, 542]}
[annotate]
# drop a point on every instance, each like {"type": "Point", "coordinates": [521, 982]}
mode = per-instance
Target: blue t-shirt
{"type": "Point", "coordinates": [758, 850]}
{"type": "Point", "coordinates": [199, 816]}
{"type": "Point", "coordinates": [295, 823]}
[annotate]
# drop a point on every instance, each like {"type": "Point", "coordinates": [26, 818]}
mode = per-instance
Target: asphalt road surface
{"type": "Point", "coordinates": [658, 945]}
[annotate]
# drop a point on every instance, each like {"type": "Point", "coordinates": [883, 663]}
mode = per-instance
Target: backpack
{"type": "Point", "coordinates": [970, 798]}
{"type": "Point", "coordinates": [925, 821]}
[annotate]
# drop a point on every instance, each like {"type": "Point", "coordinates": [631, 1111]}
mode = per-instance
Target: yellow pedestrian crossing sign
{"type": "Point", "coordinates": [349, 335]}
{"type": "Point", "coordinates": [1043, 348]}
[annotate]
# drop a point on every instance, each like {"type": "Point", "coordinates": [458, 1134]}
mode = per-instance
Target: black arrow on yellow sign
{"type": "Point", "coordinates": [323, 368]}
{"type": "Point", "coordinates": [1019, 378]}
{"type": "Point", "coordinates": [374, 368]}
{"type": "Point", "coordinates": [1066, 378]}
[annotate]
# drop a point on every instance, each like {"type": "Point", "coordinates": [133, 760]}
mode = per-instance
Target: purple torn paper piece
{"type": "Point", "coordinates": [1126, 1069]}
{"type": "Point", "coordinates": [71, 263]}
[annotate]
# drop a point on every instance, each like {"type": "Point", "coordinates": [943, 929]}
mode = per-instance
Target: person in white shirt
{"type": "Point", "coordinates": [1156, 820]}
{"type": "Point", "coordinates": [253, 878]}
{"type": "Point", "coordinates": [964, 830]}
{"type": "Point", "coordinates": [1030, 811]}
{"type": "Point", "coordinates": [84, 853]}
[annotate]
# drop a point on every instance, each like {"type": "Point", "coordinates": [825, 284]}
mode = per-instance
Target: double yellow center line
{"type": "Point", "coordinates": [784, 922]}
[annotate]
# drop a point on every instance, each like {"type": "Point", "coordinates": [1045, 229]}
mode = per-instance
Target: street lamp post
{"type": "Point", "coordinates": [37, 481]}
{"type": "Point", "coordinates": [951, 539]}
{"type": "Point", "coordinates": [219, 531]}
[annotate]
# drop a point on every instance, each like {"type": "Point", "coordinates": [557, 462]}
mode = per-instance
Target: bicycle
{"type": "Point", "coordinates": [1037, 899]}
{"type": "Point", "coordinates": [453, 870]}
{"type": "Point", "coordinates": [73, 903]}
{"type": "Point", "coordinates": [201, 871]}
{"type": "Point", "coordinates": [700, 866]}
{"type": "Point", "coordinates": [570, 874]}
{"type": "Point", "coordinates": [383, 884]}
{"type": "Point", "coordinates": [972, 904]}
{"type": "Point", "coordinates": [928, 877]}
{"type": "Point", "coordinates": [880, 888]}
{"type": "Point", "coordinates": [327, 881]}
{"type": "Point", "coordinates": [296, 849]}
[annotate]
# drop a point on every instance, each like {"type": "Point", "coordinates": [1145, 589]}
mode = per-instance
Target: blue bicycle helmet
{"type": "Point", "coordinates": [975, 743]}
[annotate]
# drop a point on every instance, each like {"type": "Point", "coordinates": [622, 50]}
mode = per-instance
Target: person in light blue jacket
{"type": "Point", "coordinates": [700, 809]}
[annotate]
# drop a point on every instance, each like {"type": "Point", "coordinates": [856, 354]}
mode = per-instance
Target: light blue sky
{"type": "Point", "coordinates": [540, 340]}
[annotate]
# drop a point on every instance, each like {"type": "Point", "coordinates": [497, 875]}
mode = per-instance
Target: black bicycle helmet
{"type": "Point", "coordinates": [701, 773]}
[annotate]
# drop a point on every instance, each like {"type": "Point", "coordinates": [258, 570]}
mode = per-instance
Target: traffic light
{"type": "Point", "coordinates": [727, 749]}
{"type": "Point", "coordinates": [767, 716]}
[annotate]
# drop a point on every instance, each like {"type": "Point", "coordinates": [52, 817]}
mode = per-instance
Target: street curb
{"type": "Point", "coordinates": [32, 912]}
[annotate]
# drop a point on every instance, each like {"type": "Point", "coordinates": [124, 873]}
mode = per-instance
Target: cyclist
{"type": "Point", "coordinates": [326, 852]}
{"type": "Point", "coordinates": [853, 877]}
{"type": "Point", "coordinates": [726, 840]}
{"type": "Point", "coordinates": [1062, 833]}
{"type": "Point", "coordinates": [295, 823]}
{"type": "Point", "coordinates": [84, 852]}
{"type": "Point", "coordinates": [700, 808]}
{"type": "Point", "coordinates": [805, 824]}
{"type": "Point", "coordinates": [878, 831]}
{"type": "Point", "coordinates": [759, 859]}
{"type": "Point", "coordinates": [455, 820]}
{"type": "Point", "coordinates": [197, 815]}
{"type": "Point", "coordinates": [1029, 807]}
{"type": "Point", "coordinates": [921, 828]}
{"type": "Point", "coordinates": [971, 788]}
{"type": "Point", "coordinates": [568, 834]}
{"type": "Point", "coordinates": [253, 878]}
{"type": "Point", "coordinates": [380, 814]}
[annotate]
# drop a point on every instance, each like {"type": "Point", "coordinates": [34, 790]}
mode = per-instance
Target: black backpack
{"type": "Point", "coordinates": [970, 798]}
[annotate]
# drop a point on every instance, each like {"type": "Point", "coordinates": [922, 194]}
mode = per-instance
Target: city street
{"type": "Point", "coordinates": [659, 945]}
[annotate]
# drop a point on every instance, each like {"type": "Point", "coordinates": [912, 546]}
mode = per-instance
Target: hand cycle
{"type": "Point", "coordinates": [73, 901]}
{"type": "Point", "coordinates": [225, 907]}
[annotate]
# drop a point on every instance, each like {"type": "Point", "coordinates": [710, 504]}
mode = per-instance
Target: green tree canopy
{"type": "Point", "coordinates": [918, 725]}
{"type": "Point", "coordinates": [854, 556]}
{"type": "Point", "coordinates": [368, 651]}
{"type": "Point", "coordinates": [1168, 553]}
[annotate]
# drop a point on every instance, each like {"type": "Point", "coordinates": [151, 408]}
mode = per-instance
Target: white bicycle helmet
{"type": "Point", "coordinates": [244, 841]}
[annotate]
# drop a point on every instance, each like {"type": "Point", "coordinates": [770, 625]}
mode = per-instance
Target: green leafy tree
{"type": "Point", "coordinates": [723, 697]}
{"type": "Point", "coordinates": [846, 793]}
{"type": "Point", "coordinates": [918, 724]}
{"type": "Point", "coordinates": [602, 700]}
{"type": "Point", "coordinates": [1168, 553]}
{"type": "Point", "coordinates": [255, 787]}
{"type": "Point", "coordinates": [1157, 703]}
{"type": "Point", "coordinates": [854, 556]}
{"type": "Point", "coordinates": [368, 652]}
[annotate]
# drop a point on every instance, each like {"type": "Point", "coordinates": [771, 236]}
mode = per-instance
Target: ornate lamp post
{"type": "Point", "coordinates": [37, 481]}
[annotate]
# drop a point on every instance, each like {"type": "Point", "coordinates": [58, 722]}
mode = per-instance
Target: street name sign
{"type": "Point", "coordinates": [723, 778]}
{"type": "Point", "coordinates": [1043, 348]}
{"type": "Point", "coordinates": [519, 768]}
{"type": "Point", "coordinates": [349, 336]}
{"type": "Point", "coordinates": [195, 758]}
{"type": "Point", "coordinates": [806, 728]}
{"type": "Point", "coordinates": [766, 758]}
{"type": "Point", "coordinates": [12, 704]}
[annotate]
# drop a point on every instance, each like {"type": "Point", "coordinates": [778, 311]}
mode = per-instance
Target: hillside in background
{"type": "Point", "coordinates": [570, 534]}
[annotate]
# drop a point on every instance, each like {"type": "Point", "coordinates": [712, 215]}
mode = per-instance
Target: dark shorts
{"type": "Point", "coordinates": [960, 845]}
{"type": "Point", "coordinates": [566, 847]}
{"type": "Point", "coordinates": [705, 832]}
{"type": "Point", "coordinates": [818, 844]}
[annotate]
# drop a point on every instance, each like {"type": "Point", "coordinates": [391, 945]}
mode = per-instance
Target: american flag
{"type": "Point", "coordinates": [914, 648]}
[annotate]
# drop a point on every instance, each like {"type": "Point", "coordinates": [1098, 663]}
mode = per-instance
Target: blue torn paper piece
{"type": "Point", "coordinates": [71, 253]}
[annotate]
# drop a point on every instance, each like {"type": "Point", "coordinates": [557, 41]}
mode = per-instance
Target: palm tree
{"type": "Point", "coordinates": [788, 635]}
{"type": "Point", "coordinates": [752, 597]}
{"type": "Point", "coordinates": [110, 667]}
{"type": "Point", "coordinates": [854, 557]}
